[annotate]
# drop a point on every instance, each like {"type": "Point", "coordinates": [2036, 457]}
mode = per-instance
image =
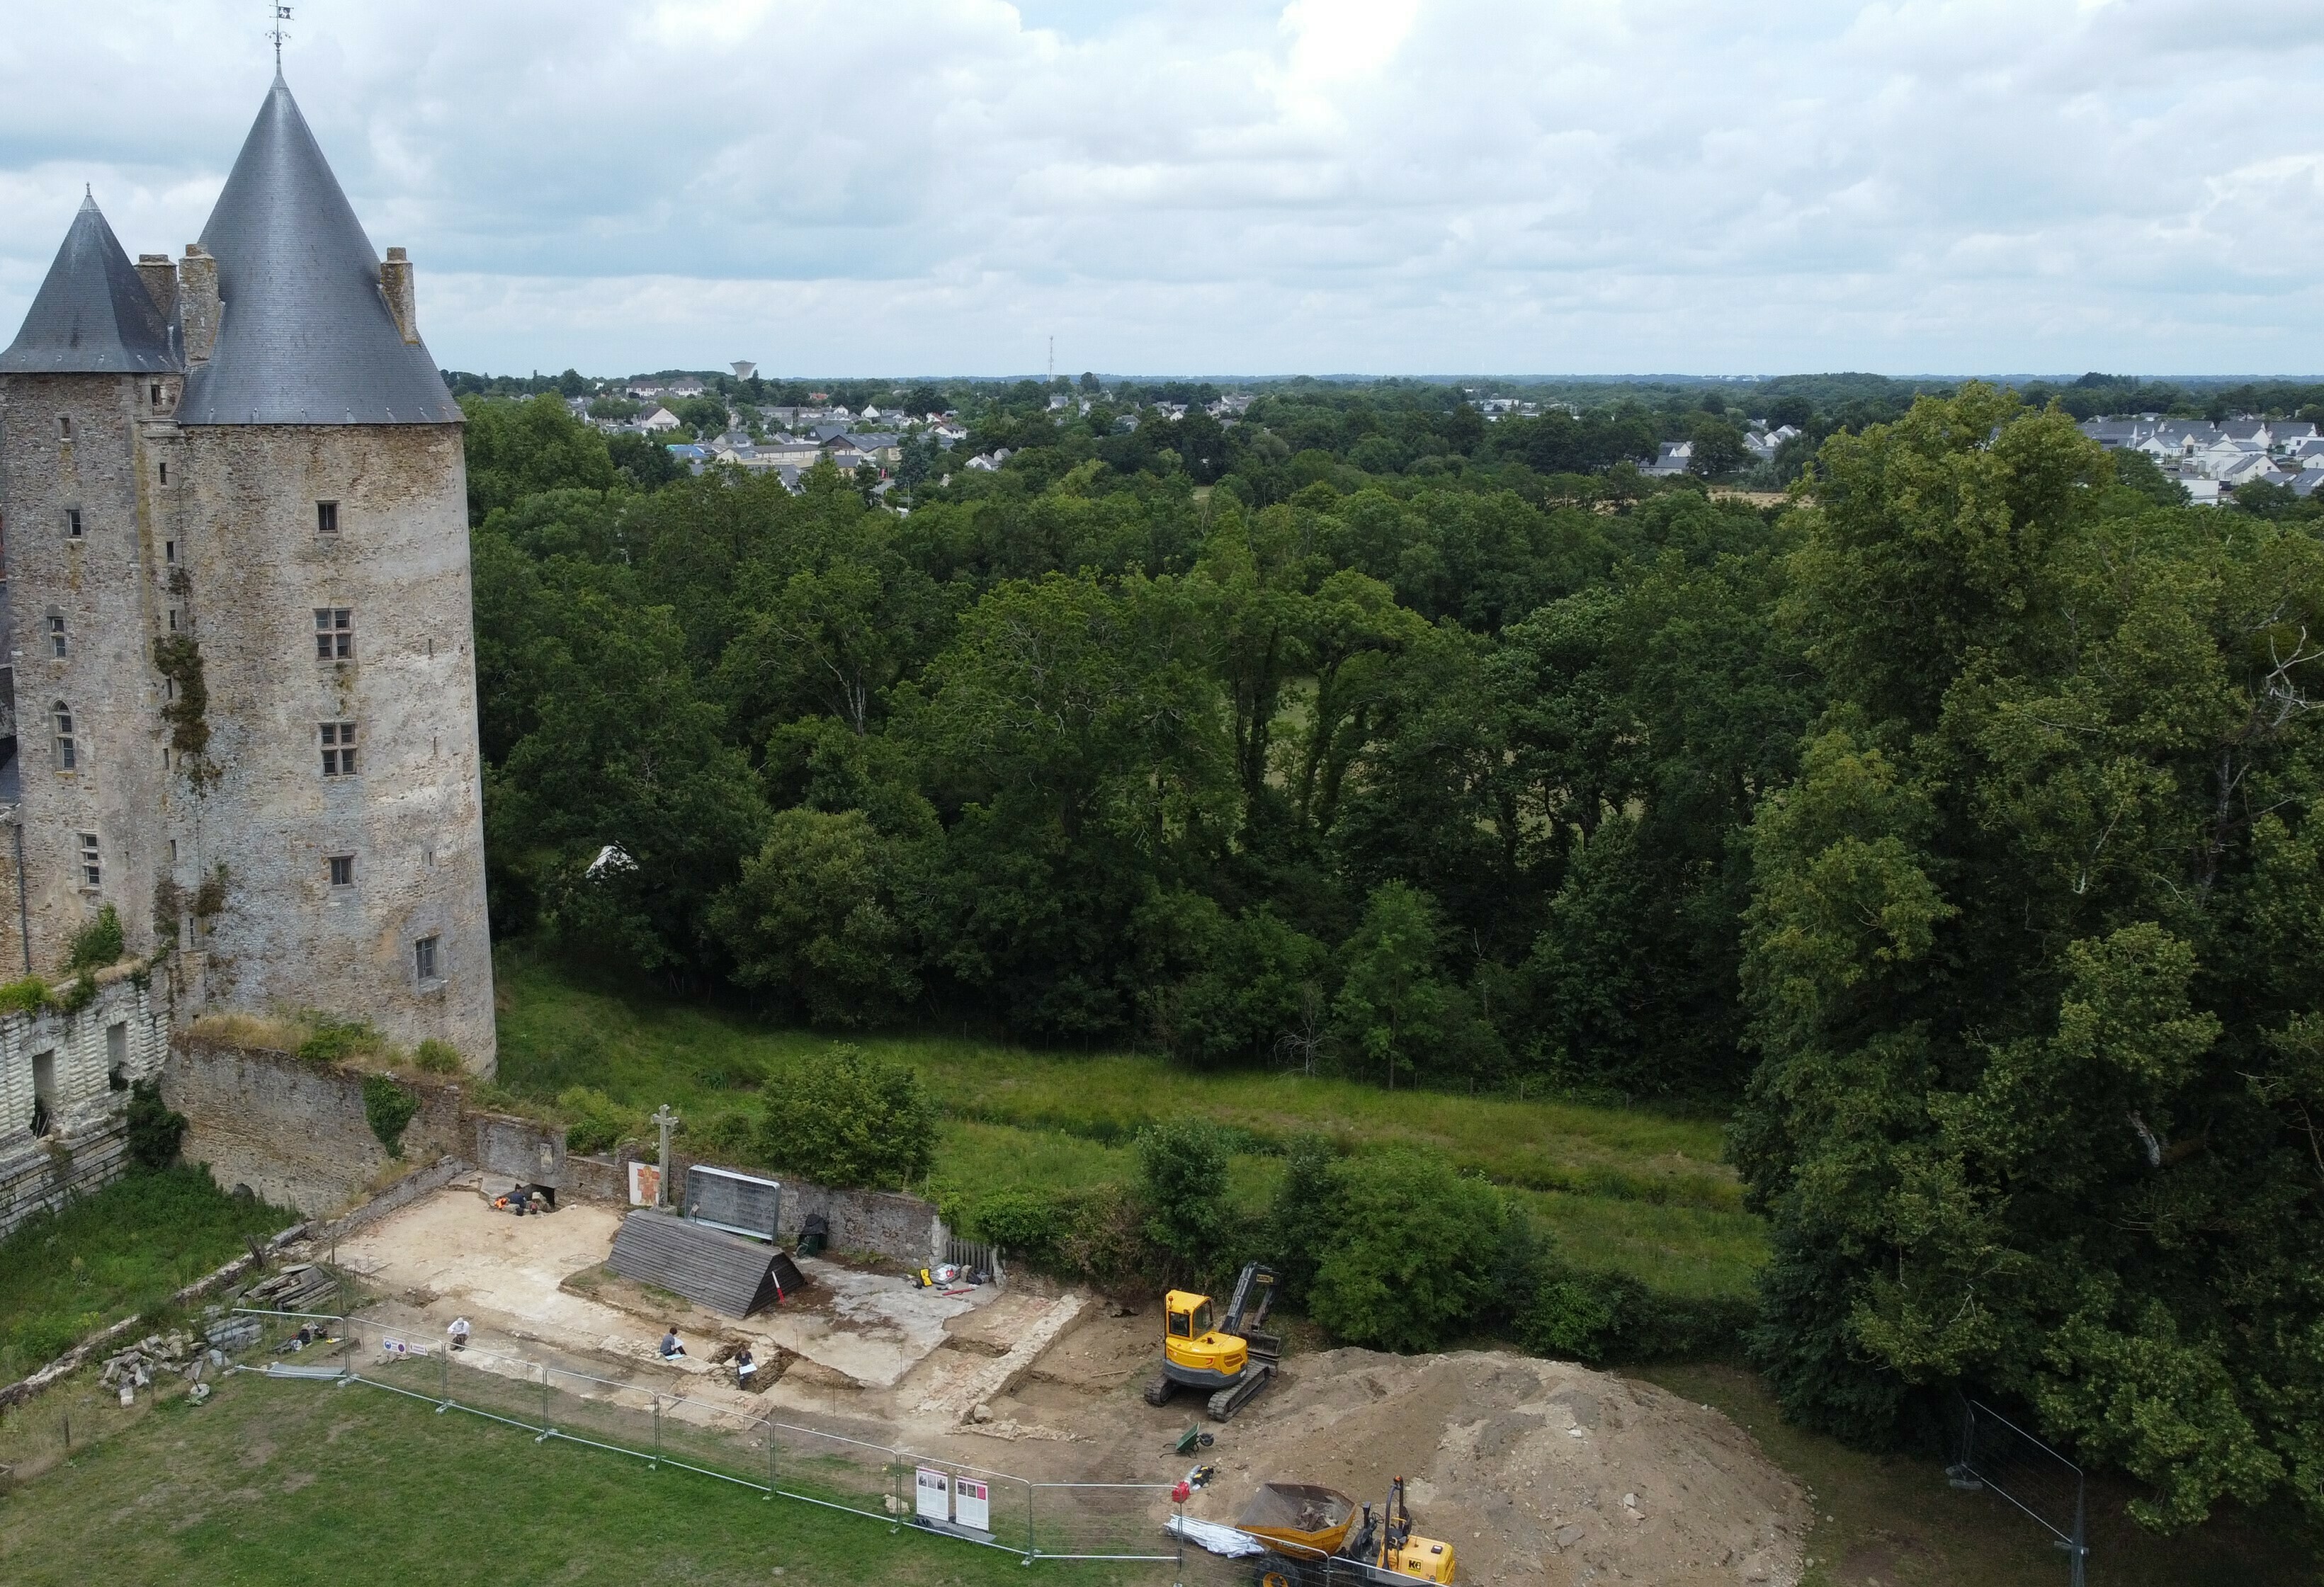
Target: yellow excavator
{"type": "Point", "coordinates": [1229, 1357]}
{"type": "Point", "coordinates": [1313, 1535]}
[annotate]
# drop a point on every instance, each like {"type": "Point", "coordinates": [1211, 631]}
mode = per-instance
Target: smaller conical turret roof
{"type": "Point", "coordinates": [306, 336]}
{"type": "Point", "coordinates": [92, 315]}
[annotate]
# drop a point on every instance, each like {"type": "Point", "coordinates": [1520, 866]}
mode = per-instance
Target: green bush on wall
{"type": "Point", "coordinates": [389, 1107]}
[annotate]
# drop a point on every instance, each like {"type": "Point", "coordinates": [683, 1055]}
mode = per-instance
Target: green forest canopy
{"type": "Point", "coordinates": [1949, 819]}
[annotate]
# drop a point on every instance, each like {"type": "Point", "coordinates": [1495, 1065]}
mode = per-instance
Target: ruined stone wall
{"type": "Point", "coordinates": [95, 445]}
{"type": "Point", "coordinates": [92, 1057]}
{"type": "Point", "coordinates": [295, 1132]}
{"type": "Point", "coordinates": [257, 566]}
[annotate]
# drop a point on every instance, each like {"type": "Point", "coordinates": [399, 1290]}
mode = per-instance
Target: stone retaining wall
{"type": "Point", "coordinates": [296, 1133]}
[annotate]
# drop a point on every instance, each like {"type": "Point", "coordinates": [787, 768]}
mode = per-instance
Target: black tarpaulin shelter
{"type": "Point", "coordinates": [730, 1275]}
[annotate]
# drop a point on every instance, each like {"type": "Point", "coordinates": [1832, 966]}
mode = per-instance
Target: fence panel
{"type": "Point", "coordinates": [1997, 1453]}
{"type": "Point", "coordinates": [1102, 1520]}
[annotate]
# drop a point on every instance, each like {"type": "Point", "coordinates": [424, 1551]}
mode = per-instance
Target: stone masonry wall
{"type": "Point", "coordinates": [296, 1133]}
{"type": "Point", "coordinates": [86, 609]}
{"type": "Point", "coordinates": [125, 1029]}
{"type": "Point", "coordinates": [256, 567]}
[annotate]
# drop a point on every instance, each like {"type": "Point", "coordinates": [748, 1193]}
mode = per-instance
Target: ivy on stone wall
{"type": "Point", "coordinates": [186, 707]}
{"type": "Point", "coordinates": [389, 1107]}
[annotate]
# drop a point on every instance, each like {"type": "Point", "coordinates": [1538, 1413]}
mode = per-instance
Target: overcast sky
{"type": "Point", "coordinates": [889, 187]}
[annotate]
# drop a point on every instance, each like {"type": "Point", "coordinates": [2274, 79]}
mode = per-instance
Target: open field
{"type": "Point", "coordinates": [1894, 1521]}
{"type": "Point", "coordinates": [124, 1250]}
{"type": "Point", "coordinates": [283, 1484]}
{"type": "Point", "coordinates": [1628, 1188]}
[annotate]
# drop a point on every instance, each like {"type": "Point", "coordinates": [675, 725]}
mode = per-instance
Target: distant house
{"type": "Point", "coordinates": [990, 461]}
{"type": "Point", "coordinates": [687, 387]}
{"type": "Point", "coordinates": [1675, 459]}
{"type": "Point", "coordinates": [659, 419]}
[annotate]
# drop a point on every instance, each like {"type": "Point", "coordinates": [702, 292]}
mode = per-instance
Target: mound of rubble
{"type": "Point", "coordinates": [174, 1354]}
{"type": "Point", "coordinates": [1534, 1471]}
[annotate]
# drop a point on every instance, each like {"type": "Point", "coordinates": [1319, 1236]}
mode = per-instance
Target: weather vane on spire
{"type": "Point", "coordinates": [281, 15]}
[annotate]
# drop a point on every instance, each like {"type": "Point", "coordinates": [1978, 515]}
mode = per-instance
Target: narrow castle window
{"type": "Point", "coordinates": [169, 552]}
{"type": "Point", "coordinates": [342, 870]}
{"type": "Point", "coordinates": [57, 643]}
{"type": "Point", "coordinates": [335, 633]}
{"type": "Point", "coordinates": [66, 758]}
{"type": "Point", "coordinates": [117, 1056]}
{"type": "Point", "coordinates": [173, 620]}
{"type": "Point", "coordinates": [72, 523]}
{"type": "Point", "coordinates": [91, 874]}
{"type": "Point", "coordinates": [64, 427]}
{"type": "Point", "coordinates": [156, 390]}
{"type": "Point", "coordinates": [338, 749]}
{"type": "Point", "coordinates": [165, 473]}
{"type": "Point", "coordinates": [423, 958]}
{"type": "Point", "coordinates": [327, 517]}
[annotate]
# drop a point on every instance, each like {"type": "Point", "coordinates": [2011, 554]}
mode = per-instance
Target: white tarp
{"type": "Point", "coordinates": [1214, 1537]}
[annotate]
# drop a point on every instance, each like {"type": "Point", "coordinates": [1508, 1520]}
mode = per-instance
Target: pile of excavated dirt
{"type": "Point", "coordinates": [1534, 1470]}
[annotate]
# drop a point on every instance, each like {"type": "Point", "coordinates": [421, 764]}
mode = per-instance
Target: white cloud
{"type": "Point", "coordinates": [1247, 185]}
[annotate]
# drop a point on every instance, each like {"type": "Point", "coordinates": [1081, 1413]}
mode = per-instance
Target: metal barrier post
{"type": "Point", "coordinates": [1032, 1538]}
{"type": "Point", "coordinates": [770, 1460]}
{"type": "Point", "coordinates": [2080, 1544]}
{"type": "Point", "coordinates": [443, 1380]}
{"type": "Point", "coordinates": [657, 1454]}
{"type": "Point", "coordinates": [545, 1428]}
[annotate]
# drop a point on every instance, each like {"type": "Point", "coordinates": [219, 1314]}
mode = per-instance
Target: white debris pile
{"type": "Point", "coordinates": [155, 1356]}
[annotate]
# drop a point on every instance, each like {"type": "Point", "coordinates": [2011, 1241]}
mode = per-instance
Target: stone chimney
{"type": "Point", "coordinates": [199, 309]}
{"type": "Point", "coordinates": [160, 278]}
{"type": "Point", "coordinates": [396, 285]}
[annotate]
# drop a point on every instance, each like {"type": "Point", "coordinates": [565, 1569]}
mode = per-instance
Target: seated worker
{"type": "Point", "coordinates": [744, 1368]}
{"type": "Point", "coordinates": [669, 1344]}
{"type": "Point", "coordinates": [459, 1333]}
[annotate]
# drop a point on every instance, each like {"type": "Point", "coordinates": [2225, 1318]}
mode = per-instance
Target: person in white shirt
{"type": "Point", "coordinates": [459, 1333]}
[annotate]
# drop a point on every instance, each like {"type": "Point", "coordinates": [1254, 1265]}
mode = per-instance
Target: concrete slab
{"type": "Point", "coordinates": [451, 1254]}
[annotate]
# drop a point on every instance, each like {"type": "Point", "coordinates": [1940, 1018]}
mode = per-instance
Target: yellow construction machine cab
{"type": "Point", "coordinates": [1191, 1339]}
{"type": "Point", "coordinates": [1228, 1358]}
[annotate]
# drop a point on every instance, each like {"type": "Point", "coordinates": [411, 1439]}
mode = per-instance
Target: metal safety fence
{"type": "Point", "coordinates": [713, 1438]}
{"type": "Point", "coordinates": [1995, 1453]}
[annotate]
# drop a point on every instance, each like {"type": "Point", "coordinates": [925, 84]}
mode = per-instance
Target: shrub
{"type": "Point", "coordinates": [100, 943]}
{"type": "Point", "coordinates": [1182, 1178]}
{"type": "Point", "coordinates": [331, 1041]}
{"type": "Point", "coordinates": [850, 1120]}
{"type": "Point", "coordinates": [438, 1057]}
{"type": "Point", "coordinates": [389, 1106]}
{"type": "Point", "coordinates": [595, 1122]}
{"type": "Point", "coordinates": [1025, 1222]}
{"type": "Point", "coordinates": [28, 996]}
{"type": "Point", "coordinates": [1305, 1213]}
{"type": "Point", "coordinates": [78, 993]}
{"type": "Point", "coordinates": [1103, 1237]}
{"type": "Point", "coordinates": [1589, 1315]}
{"type": "Point", "coordinates": [155, 1131]}
{"type": "Point", "coordinates": [732, 1136]}
{"type": "Point", "coordinates": [1413, 1259]}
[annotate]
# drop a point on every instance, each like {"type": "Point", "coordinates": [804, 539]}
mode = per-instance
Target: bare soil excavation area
{"type": "Point", "coordinates": [1536, 1471]}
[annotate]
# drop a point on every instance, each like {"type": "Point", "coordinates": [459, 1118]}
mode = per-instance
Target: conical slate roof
{"type": "Point", "coordinates": [92, 315]}
{"type": "Point", "coordinates": [306, 336]}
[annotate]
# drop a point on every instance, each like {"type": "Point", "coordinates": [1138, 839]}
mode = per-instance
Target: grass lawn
{"type": "Point", "coordinates": [1629, 1188]}
{"type": "Point", "coordinates": [124, 1250]}
{"type": "Point", "coordinates": [282, 1485]}
{"type": "Point", "coordinates": [1895, 1520]}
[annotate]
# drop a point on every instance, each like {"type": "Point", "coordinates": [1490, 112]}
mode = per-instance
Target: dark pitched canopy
{"type": "Point", "coordinates": [307, 336]}
{"type": "Point", "coordinates": [92, 315]}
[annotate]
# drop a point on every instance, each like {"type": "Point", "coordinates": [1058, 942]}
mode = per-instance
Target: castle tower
{"type": "Point", "coordinates": [236, 541]}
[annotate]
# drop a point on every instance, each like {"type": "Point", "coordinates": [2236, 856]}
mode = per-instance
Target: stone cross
{"type": "Point", "coordinates": [664, 1120]}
